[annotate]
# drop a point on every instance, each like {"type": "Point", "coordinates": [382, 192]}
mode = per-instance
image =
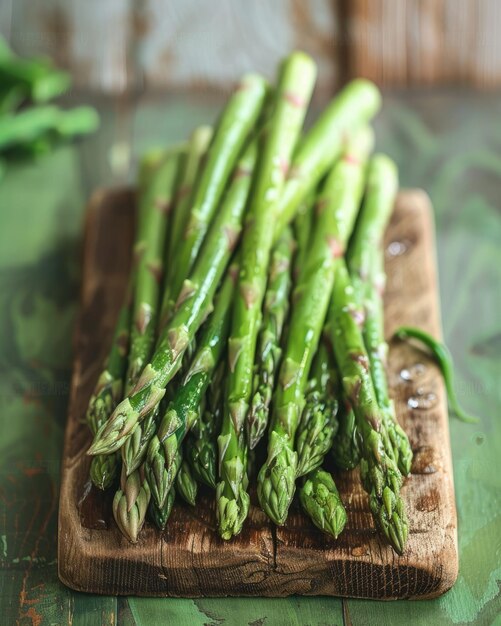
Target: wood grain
{"type": "Point", "coordinates": [119, 46]}
{"type": "Point", "coordinates": [188, 559]}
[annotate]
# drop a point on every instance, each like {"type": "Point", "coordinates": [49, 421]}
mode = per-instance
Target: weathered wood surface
{"type": "Point", "coordinates": [189, 559]}
{"type": "Point", "coordinates": [118, 46]}
{"type": "Point", "coordinates": [425, 42]}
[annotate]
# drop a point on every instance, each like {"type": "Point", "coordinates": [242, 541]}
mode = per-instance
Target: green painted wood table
{"type": "Point", "coordinates": [448, 143]}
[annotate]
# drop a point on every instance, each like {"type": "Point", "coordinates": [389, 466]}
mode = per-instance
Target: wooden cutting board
{"type": "Point", "coordinates": [188, 558]}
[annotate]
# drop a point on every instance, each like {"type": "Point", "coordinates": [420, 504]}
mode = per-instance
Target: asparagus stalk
{"type": "Point", "coordinates": [104, 469]}
{"type": "Point", "coordinates": [318, 423]}
{"type": "Point", "coordinates": [162, 459]}
{"type": "Point", "coordinates": [131, 503]}
{"type": "Point", "coordinates": [275, 308]}
{"type": "Point", "coordinates": [186, 485]}
{"type": "Point", "coordinates": [156, 203]}
{"type": "Point", "coordinates": [108, 392]}
{"type": "Point", "coordinates": [193, 302]}
{"type": "Point", "coordinates": [365, 262]}
{"type": "Point", "coordinates": [443, 359]}
{"type": "Point", "coordinates": [380, 475]}
{"type": "Point", "coordinates": [199, 142]}
{"type": "Point", "coordinates": [322, 503]}
{"type": "Point", "coordinates": [302, 227]}
{"type": "Point", "coordinates": [135, 448]}
{"type": "Point", "coordinates": [345, 447]}
{"type": "Point", "coordinates": [160, 515]}
{"type": "Point", "coordinates": [352, 108]}
{"type": "Point", "coordinates": [337, 208]}
{"type": "Point", "coordinates": [290, 102]}
{"type": "Point", "coordinates": [201, 449]}
{"type": "Point", "coordinates": [109, 387]}
{"type": "Point", "coordinates": [235, 125]}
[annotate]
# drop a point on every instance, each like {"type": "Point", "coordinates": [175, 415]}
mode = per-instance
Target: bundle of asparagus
{"type": "Point", "coordinates": [237, 320]}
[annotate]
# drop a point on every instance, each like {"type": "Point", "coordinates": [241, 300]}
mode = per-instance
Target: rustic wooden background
{"type": "Point", "coordinates": [114, 46]}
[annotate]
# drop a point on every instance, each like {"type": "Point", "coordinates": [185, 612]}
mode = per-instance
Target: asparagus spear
{"type": "Point", "coordinates": [196, 296]}
{"type": "Point", "coordinates": [365, 262]}
{"type": "Point", "coordinates": [160, 515]}
{"type": "Point", "coordinates": [108, 392]}
{"type": "Point", "coordinates": [186, 485]}
{"type": "Point", "coordinates": [293, 93]}
{"type": "Point", "coordinates": [235, 125]}
{"type": "Point", "coordinates": [318, 423]}
{"type": "Point", "coordinates": [131, 503]}
{"type": "Point", "coordinates": [345, 447]}
{"type": "Point", "coordinates": [103, 470]}
{"type": "Point", "coordinates": [110, 385]}
{"type": "Point", "coordinates": [443, 359]}
{"type": "Point", "coordinates": [275, 307]}
{"type": "Point", "coordinates": [162, 460]}
{"type": "Point", "coordinates": [199, 142]}
{"type": "Point", "coordinates": [156, 203]}
{"type": "Point", "coordinates": [201, 449]}
{"type": "Point", "coordinates": [353, 107]}
{"type": "Point", "coordinates": [380, 475]}
{"type": "Point", "coordinates": [135, 448]}
{"type": "Point", "coordinates": [320, 500]}
{"type": "Point", "coordinates": [337, 206]}
{"type": "Point", "coordinates": [302, 228]}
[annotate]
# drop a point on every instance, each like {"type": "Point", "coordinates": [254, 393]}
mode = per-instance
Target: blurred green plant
{"type": "Point", "coordinates": [28, 125]}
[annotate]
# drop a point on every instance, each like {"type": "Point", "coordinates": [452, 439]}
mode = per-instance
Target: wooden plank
{"type": "Point", "coordinates": [188, 559]}
{"type": "Point", "coordinates": [424, 42]}
{"type": "Point", "coordinates": [190, 45]}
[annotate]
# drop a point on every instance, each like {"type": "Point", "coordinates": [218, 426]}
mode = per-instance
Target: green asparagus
{"type": "Point", "coordinates": [302, 227]}
{"type": "Point", "coordinates": [156, 203]}
{"type": "Point", "coordinates": [235, 125]}
{"type": "Point", "coordinates": [275, 308]}
{"type": "Point", "coordinates": [337, 208]}
{"type": "Point", "coordinates": [380, 475]}
{"type": "Point", "coordinates": [443, 359]}
{"type": "Point", "coordinates": [318, 423]}
{"type": "Point", "coordinates": [320, 500]}
{"type": "Point", "coordinates": [196, 296]}
{"type": "Point", "coordinates": [134, 449]}
{"type": "Point", "coordinates": [199, 142]}
{"type": "Point", "coordinates": [160, 515]}
{"type": "Point", "coordinates": [345, 447]}
{"type": "Point", "coordinates": [353, 107]}
{"type": "Point", "coordinates": [104, 469]}
{"type": "Point", "coordinates": [131, 503]}
{"type": "Point", "coordinates": [186, 485]}
{"type": "Point", "coordinates": [107, 393]}
{"type": "Point", "coordinates": [184, 410]}
{"type": "Point", "coordinates": [202, 446]}
{"type": "Point", "coordinates": [291, 99]}
{"type": "Point", "coordinates": [365, 262]}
